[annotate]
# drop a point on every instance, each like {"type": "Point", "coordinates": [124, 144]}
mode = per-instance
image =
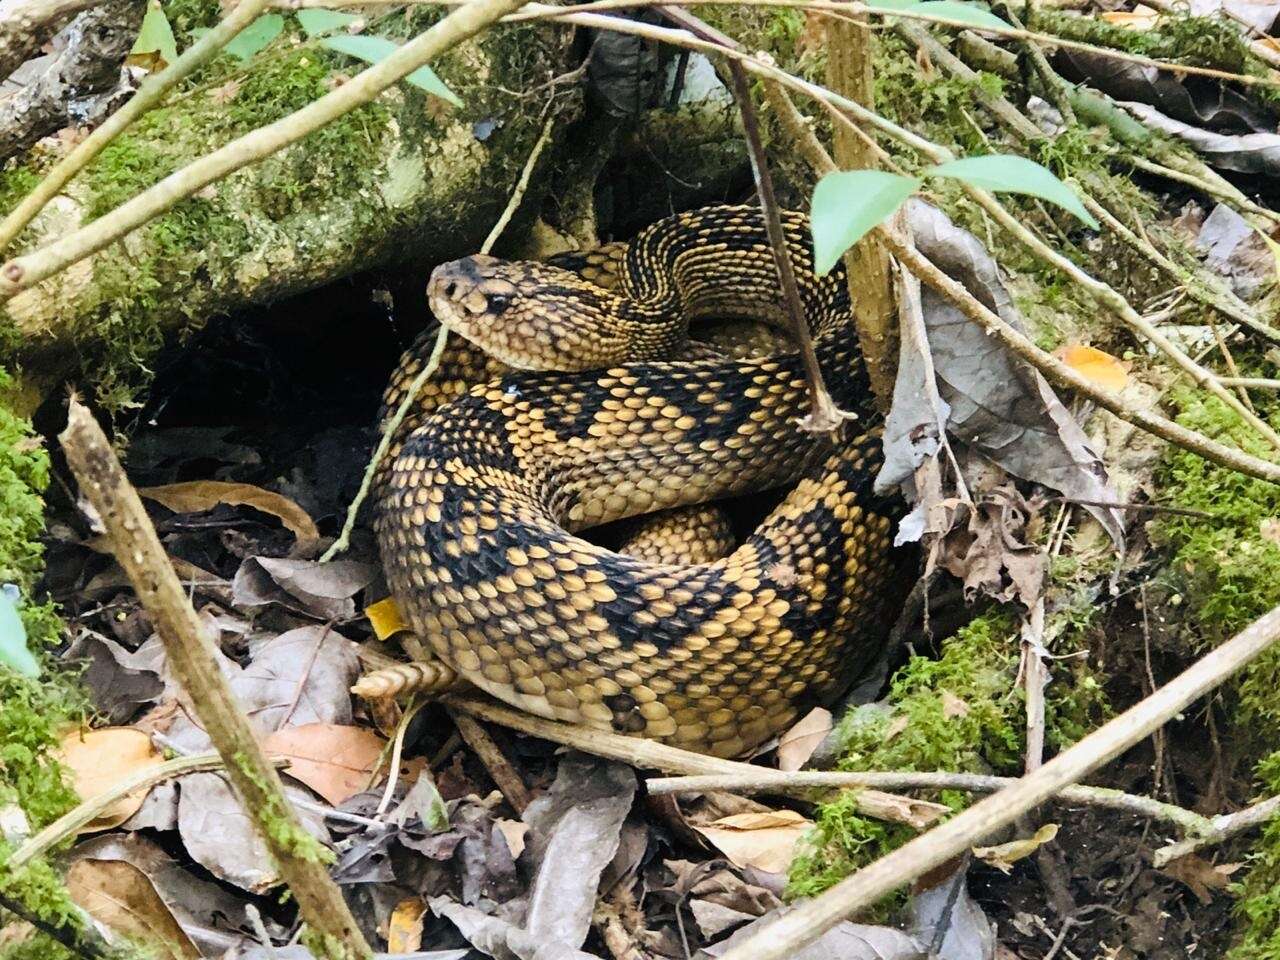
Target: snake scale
{"type": "Point", "coordinates": [479, 512]}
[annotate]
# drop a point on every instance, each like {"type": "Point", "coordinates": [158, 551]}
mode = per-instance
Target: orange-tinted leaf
{"type": "Point", "coordinates": [332, 759]}
{"type": "Point", "coordinates": [197, 495]}
{"type": "Point", "coordinates": [120, 896]}
{"type": "Point", "coordinates": [404, 929]}
{"type": "Point", "coordinates": [100, 759]}
{"type": "Point", "coordinates": [1141, 18]}
{"type": "Point", "coordinates": [1095, 365]}
{"type": "Point", "coordinates": [385, 618]}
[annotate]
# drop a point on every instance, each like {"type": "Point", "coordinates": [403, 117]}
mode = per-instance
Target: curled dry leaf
{"type": "Point", "coordinates": [198, 495]}
{"type": "Point", "coordinates": [1201, 876]}
{"type": "Point", "coordinates": [333, 760]}
{"type": "Point", "coordinates": [797, 745]}
{"type": "Point", "coordinates": [1095, 365]}
{"type": "Point", "coordinates": [100, 759]}
{"type": "Point", "coordinates": [765, 841]}
{"type": "Point", "coordinates": [120, 896]}
{"type": "Point", "coordinates": [1003, 856]}
{"type": "Point", "coordinates": [404, 928]}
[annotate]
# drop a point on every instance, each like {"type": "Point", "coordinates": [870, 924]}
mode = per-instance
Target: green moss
{"type": "Point", "coordinates": [961, 712]}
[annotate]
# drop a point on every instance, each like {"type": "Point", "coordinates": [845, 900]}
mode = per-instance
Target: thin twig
{"type": "Point", "coordinates": [801, 784]}
{"type": "Point", "coordinates": [649, 754]}
{"type": "Point", "coordinates": [463, 23]}
{"type": "Point", "coordinates": [83, 942]}
{"type": "Point", "coordinates": [1222, 828]}
{"type": "Point", "coordinates": [785, 937]}
{"type": "Point", "coordinates": [499, 767]}
{"type": "Point", "coordinates": [392, 426]}
{"type": "Point", "coordinates": [149, 93]}
{"type": "Point", "coordinates": [1050, 366]}
{"type": "Point", "coordinates": [825, 416]}
{"type": "Point", "coordinates": [189, 649]}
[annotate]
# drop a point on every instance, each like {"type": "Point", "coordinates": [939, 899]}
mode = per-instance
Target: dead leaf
{"type": "Point", "coordinates": [1140, 18]}
{"type": "Point", "coordinates": [1200, 875]}
{"type": "Point", "coordinates": [119, 895]}
{"type": "Point", "coordinates": [765, 841]}
{"type": "Point", "coordinates": [844, 941]}
{"type": "Point", "coordinates": [100, 759]}
{"type": "Point", "coordinates": [385, 618]}
{"type": "Point", "coordinates": [320, 590]}
{"type": "Point", "coordinates": [1270, 529]}
{"type": "Point", "coordinates": [953, 706]}
{"type": "Point", "coordinates": [332, 759]}
{"type": "Point", "coordinates": [896, 726]}
{"type": "Point", "coordinates": [1095, 365]}
{"type": "Point", "coordinates": [404, 928]}
{"type": "Point", "coordinates": [226, 93]}
{"type": "Point", "coordinates": [1004, 855]}
{"type": "Point", "coordinates": [197, 495]}
{"type": "Point", "coordinates": [513, 832]}
{"type": "Point", "coordinates": [797, 745]}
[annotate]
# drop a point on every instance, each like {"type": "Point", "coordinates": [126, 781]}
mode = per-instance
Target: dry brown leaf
{"type": "Point", "coordinates": [226, 93]}
{"type": "Point", "coordinates": [953, 706]}
{"type": "Point", "coordinates": [1095, 365]}
{"type": "Point", "coordinates": [100, 759]}
{"type": "Point", "coordinates": [332, 759]}
{"type": "Point", "coordinates": [1200, 875]}
{"type": "Point", "coordinates": [1270, 529]}
{"type": "Point", "coordinates": [1004, 855]}
{"type": "Point", "coordinates": [197, 495]}
{"type": "Point", "coordinates": [513, 831]}
{"type": "Point", "coordinates": [765, 841]}
{"type": "Point", "coordinates": [797, 745]}
{"type": "Point", "coordinates": [404, 928]}
{"type": "Point", "coordinates": [896, 726]}
{"type": "Point", "coordinates": [120, 896]}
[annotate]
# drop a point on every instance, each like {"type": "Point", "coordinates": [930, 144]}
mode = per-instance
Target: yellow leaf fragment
{"type": "Point", "coordinates": [1003, 856]}
{"type": "Point", "coordinates": [404, 929]}
{"type": "Point", "coordinates": [1095, 365]}
{"type": "Point", "coordinates": [385, 618]}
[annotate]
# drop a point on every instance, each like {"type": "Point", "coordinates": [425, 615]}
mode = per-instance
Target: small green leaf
{"type": "Point", "coordinates": [1008, 174]}
{"type": "Point", "coordinates": [847, 205]}
{"type": "Point", "coordinates": [968, 13]}
{"type": "Point", "coordinates": [316, 21]}
{"type": "Point", "coordinates": [13, 639]}
{"type": "Point", "coordinates": [376, 49]}
{"type": "Point", "coordinates": [155, 36]}
{"type": "Point", "coordinates": [255, 36]}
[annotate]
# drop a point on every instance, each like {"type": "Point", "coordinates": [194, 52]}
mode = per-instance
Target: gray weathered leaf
{"type": "Point", "coordinates": [218, 834]}
{"type": "Point", "coordinates": [321, 590]}
{"type": "Point", "coordinates": [969, 934]}
{"type": "Point", "coordinates": [1244, 152]}
{"type": "Point", "coordinates": [845, 941]}
{"type": "Point", "coordinates": [995, 402]}
{"type": "Point", "coordinates": [319, 660]}
{"type": "Point", "coordinates": [119, 680]}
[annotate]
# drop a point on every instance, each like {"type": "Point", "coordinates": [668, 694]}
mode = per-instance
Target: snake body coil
{"type": "Point", "coordinates": [478, 512]}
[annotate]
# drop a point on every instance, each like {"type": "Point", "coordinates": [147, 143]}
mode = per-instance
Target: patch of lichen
{"type": "Point", "coordinates": [960, 712]}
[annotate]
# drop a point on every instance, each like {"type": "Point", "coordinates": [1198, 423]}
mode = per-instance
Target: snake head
{"type": "Point", "coordinates": [532, 316]}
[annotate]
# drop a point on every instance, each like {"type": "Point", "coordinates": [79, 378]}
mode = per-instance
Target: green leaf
{"type": "Point", "coordinates": [13, 639]}
{"type": "Point", "coordinates": [847, 205]}
{"type": "Point", "coordinates": [376, 49]}
{"type": "Point", "coordinates": [890, 4]}
{"type": "Point", "coordinates": [1008, 174]}
{"type": "Point", "coordinates": [968, 13]}
{"type": "Point", "coordinates": [316, 21]}
{"type": "Point", "coordinates": [255, 36]}
{"type": "Point", "coordinates": [155, 36]}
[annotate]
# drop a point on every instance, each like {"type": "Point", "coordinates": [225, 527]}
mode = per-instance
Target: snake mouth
{"type": "Point", "coordinates": [530, 316]}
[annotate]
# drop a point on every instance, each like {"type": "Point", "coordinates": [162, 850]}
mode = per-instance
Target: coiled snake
{"type": "Point", "coordinates": [477, 513]}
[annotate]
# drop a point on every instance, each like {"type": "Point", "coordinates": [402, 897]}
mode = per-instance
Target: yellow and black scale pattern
{"type": "Point", "coordinates": [477, 514]}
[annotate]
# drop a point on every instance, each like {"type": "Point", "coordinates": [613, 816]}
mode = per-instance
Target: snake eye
{"type": "Point", "coordinates": [498, 302]}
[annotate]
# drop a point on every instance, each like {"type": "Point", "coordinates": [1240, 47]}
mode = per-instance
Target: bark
{"type": "Point", "coordinates": [26, 25]}
{"type": "Point", "coordinates": [409, 180]}
{"type": "Point", "coordinates": [79, 82]}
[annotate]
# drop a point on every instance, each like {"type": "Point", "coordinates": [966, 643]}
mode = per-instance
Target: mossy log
{"type": "Point", "coordinates": [408, 178]}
